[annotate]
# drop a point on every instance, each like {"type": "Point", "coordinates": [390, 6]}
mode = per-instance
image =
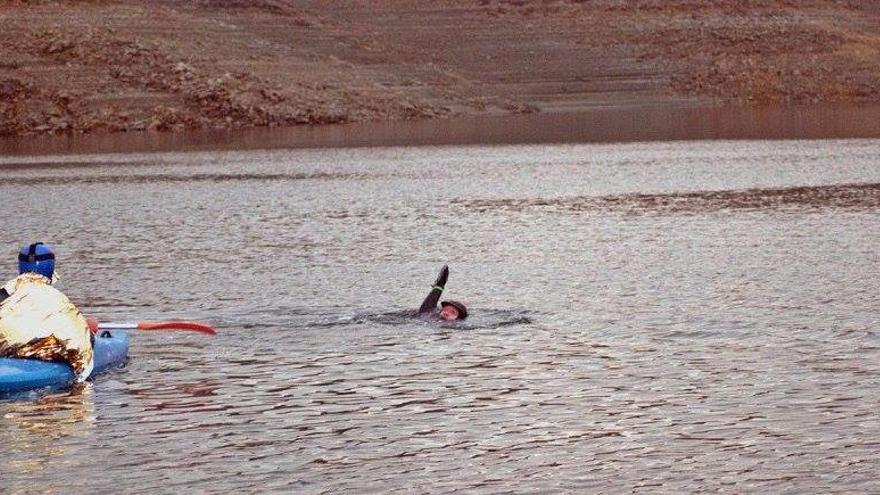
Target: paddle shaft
{"type": "Point", "coordinates": [158, 325]}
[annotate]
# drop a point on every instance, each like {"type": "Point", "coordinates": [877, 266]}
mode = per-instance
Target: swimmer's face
{"type": "Point", "coordinates": [449, 313]}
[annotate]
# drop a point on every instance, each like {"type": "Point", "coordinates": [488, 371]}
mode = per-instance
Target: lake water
{"type": "Point", "coordinates": [666, 317]}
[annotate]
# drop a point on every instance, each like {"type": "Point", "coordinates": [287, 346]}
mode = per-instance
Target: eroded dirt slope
{"type": "Point", "coordinates": [172, 64]}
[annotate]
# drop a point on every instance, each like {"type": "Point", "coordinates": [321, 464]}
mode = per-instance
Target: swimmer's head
{"type": "Point", "coordinates": [453, 310]}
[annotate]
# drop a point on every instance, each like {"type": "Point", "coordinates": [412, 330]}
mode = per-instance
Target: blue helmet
{"type": "Point", "coordinates": [37, 258]}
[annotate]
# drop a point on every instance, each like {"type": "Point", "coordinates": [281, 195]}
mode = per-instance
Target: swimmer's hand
{"type": "Point", "coordinates": [440, 283]}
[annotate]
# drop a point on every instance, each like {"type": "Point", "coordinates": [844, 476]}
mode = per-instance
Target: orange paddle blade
{"type": "Point", "coordinates": [176, 325]}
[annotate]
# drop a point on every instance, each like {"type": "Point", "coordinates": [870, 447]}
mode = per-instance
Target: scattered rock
{"type": "Point", "coordinates": [13, 89]}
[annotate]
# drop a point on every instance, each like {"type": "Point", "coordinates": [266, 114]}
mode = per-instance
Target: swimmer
{"type": "Point", "coordinates": [449, 310]}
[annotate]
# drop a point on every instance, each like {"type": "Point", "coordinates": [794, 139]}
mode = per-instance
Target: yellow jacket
{"type": "Point", "coordinates": [38, 321]}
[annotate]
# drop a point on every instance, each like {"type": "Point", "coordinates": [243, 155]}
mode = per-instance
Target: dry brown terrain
{"type": "Point", "coordinates": [121, 65]}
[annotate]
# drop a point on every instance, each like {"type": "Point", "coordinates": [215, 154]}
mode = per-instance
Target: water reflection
{"type": "Point", "coordinates": [37, 430]}
{"type": "Point", "coordinates": [614, 124]}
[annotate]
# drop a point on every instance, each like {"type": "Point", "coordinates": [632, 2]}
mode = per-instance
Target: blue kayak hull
{"type": "Point", "coordinates": [21, 375]}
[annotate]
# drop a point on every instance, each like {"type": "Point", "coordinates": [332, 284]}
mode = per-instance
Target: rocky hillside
{"type": "Point", "coordinates": [126, 65]}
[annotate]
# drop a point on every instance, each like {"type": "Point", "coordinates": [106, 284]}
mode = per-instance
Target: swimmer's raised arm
{"type": "Point", "coordinates": [430, 303]}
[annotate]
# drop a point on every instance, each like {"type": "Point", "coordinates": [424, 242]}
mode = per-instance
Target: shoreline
{"type": "Point", "coordinates": [605, 125]}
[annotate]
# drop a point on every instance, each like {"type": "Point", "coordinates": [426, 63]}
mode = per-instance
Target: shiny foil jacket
{"type": "Point", "coordinates": [38, 321]}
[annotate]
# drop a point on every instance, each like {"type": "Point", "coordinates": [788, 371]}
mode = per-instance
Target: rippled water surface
{"type": "Point", "coordinates": [665, 317]}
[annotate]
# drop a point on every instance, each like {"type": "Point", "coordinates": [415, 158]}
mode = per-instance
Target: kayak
{"type": "Point", "coordinates": [21, 375]}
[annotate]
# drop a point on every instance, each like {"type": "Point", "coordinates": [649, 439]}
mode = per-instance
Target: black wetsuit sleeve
{"type": "Point", "coordinates": [3, 295]}
{"type": "Point", "coordinates": [430, 302]}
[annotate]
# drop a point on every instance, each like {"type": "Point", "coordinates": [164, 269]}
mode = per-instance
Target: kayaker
{"type": "Point", "coordinates": [38, 321]}
{"type": "Point", "coordinates": [449, 310]}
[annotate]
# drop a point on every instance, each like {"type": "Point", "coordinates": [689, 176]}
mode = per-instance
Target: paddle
{"type": "Point", "coordinates": [152, 325]}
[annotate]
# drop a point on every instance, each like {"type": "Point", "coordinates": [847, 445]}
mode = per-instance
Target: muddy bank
{"type": "Point", "coordinates": [108, 66]}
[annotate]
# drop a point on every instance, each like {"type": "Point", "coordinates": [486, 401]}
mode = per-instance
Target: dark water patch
{"type": "Point", "coordinates": [172, 178]}
{"type": "Point", "coordinates": [843, 196]}
{"type": "Point", "coordinates": [71, 164]}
